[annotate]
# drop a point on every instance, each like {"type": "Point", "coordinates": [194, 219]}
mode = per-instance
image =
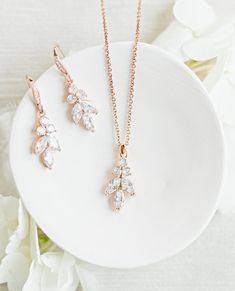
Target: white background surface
{"type": "Point", "coordinates": [28, 29]}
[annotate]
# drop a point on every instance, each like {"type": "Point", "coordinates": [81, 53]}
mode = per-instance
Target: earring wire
{"type": "Point", "coordinates": [58, 56]}
{"type": "Point", "coordinates": [35, 94]}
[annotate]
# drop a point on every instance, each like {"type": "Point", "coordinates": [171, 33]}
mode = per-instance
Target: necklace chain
{"type": "Point", "coordinates": [132, 76]}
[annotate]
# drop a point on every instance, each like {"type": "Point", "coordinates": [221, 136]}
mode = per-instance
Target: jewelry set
{"type": "Point", "coordinates": [83, 112]}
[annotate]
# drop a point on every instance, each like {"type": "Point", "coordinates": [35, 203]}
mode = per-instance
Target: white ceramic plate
{"type": "Point", "coordinates": [176, 155]}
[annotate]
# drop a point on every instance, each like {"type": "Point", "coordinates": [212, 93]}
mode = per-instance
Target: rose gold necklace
{"type": "Point", "coordinates": [120, 186]}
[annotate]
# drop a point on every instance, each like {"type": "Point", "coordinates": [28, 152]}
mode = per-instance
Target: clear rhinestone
{"type": "Point", "coordinates": [127, 186]}
{"type": "Point", "coordinates": [77, 112]}
{"type": "Point", "coordinates": [44, 121]}
{"type": "Point", "coordinates": [71, 99]}
{"type": "Point", "coordinates": [53, 143]}
{"type": "Point", "coordinates": [41, 130]}
{"type": "Point", "coordinates": [88, 108]}
{"type": "Point", "coordinates": [50, 128]}
{"type": "Point", "coordinates": [117, 171]}
{"type": "Point", "coordinates": [119, 199]}
{"type": "Point", "coordinates": [73, 89]}
{"type": "Point", "coordinates": [122, 162]}
{"type": "Point", "coordinates": [126, 171]}
{"type": "Point", "coordinates": [41, 144]}
{"type": "Point", "coordinates": [88, 121]}
{"type": "Point", "coordinates": [47, 158]}
{"type": "Point", "coordinates": [113, 186]}
{"type": "Point", "coordinates": [82, 94]}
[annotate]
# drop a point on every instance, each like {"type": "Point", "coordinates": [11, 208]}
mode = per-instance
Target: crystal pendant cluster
{"type": "Point", "coordinates": [46, 144]}
{"type": "Point", "coordinates": [82, 111]}
{"type": "Point", "coordinates": [120, 186]}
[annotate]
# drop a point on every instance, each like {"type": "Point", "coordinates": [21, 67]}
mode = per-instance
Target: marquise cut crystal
{"type": "Point", "coordinates": [82, 94]}
{"type": "Point", "coordinates": [127, 186]}
{"type": "Point", "coordinates": [53, 143]}
{"type": "Point", "coordinates": [113, 186]}
{"type": "Point", "coordinates": [77, 113]}
{"type": "Point", "coordinates": [50, 128]}
{"type": "Point", "coordinates": [48, 158]}
{"type": "Point", "coordinates": [41, 144]}
{"type": "Point", "coordinates": [88, 108]}
{"type": "Point", "coordinates": [88, 121]}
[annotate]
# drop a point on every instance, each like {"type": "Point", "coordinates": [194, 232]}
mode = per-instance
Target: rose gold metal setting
{"type": "Point", "coordinates": [123, 151]}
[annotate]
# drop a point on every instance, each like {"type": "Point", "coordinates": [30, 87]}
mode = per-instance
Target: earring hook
{"type": "Point", "coordinates": [58, 56]}
{"type": "Point", "coordinates": [58, 51]}
{"type": "Point", "coordinates": [35, 94]}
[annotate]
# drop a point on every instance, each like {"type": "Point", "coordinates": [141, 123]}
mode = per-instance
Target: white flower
{"type": "Point", "coordinates": [221, 85]}
{"type": "Point", "coordinates": [22, 267]}
{"type": "Point", "coordinates": [15, 259]}
{"type": "Point", "coordinates": [197, 33]}
{"type": "Point", "coordinates": [55, 271]}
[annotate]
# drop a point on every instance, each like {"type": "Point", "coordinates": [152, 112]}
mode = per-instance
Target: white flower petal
{"type": "Point", "coordinates": [223, 96]}
{"type": "Point", "coordinates": [217, 71]}
{"type": "Point", "coordinates": [87, 279]}
{"type": "Point", "coordinates": [34, 244]}
{"type": "Point", "coordinates": [172, 39]}
{"type": "Point", "coordinates": [21, 232]}
{"type": "Point", "coordinates": [211, 44]}
{"type": "Point", "coordinates": [56, 272]}
{"type": "Point", "coordinates": [197, 15]}
{"type": "Point", "coordinates": [227, 203]}
{"type": "Point", "coordinates": [8, 220]}
{"type": "Point", "coordinates": [14, 270]}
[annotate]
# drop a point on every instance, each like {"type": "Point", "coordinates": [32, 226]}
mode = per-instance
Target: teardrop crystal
{"type": "Point", "coordinates": [119, 199]}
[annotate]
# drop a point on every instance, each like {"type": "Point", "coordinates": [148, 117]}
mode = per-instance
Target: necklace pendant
{"type": "Point", "coordinates": [120, 187]}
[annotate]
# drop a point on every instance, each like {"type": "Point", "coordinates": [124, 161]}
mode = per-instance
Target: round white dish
{"type": "Point", "coordinates": [176, 156]}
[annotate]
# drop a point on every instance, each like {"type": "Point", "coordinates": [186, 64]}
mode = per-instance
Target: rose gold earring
{"type": "Point", "coordinates": [45, 144]}
{"type": "Point", "coordinates": [82, 110]}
